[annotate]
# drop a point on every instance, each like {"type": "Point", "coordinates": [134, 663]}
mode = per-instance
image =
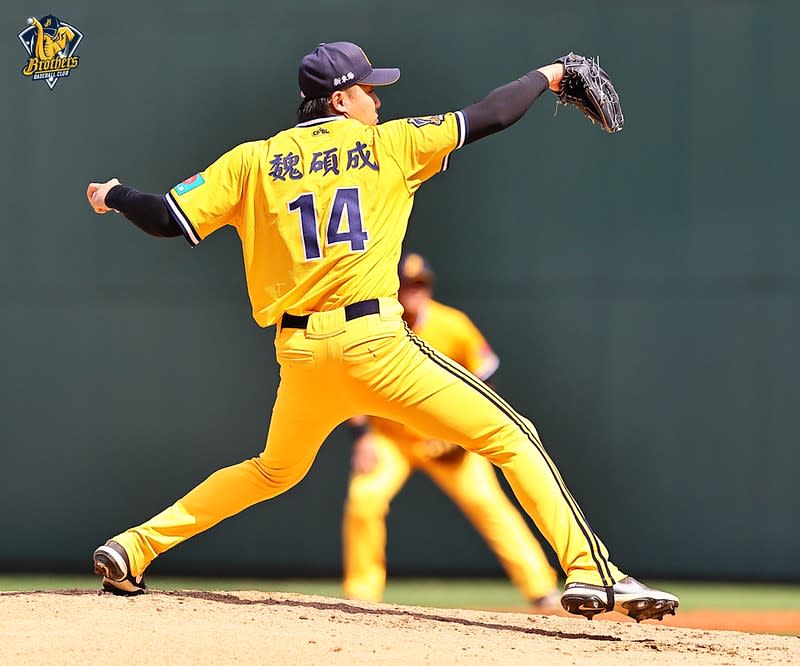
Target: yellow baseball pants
{"type": "Point", "coordinates": [334, 369]}
{"type": "Point", "coordinates": [470, 481]}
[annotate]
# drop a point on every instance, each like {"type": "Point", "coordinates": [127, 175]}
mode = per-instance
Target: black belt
{"type": "Point", "coordinates": [352, 311]}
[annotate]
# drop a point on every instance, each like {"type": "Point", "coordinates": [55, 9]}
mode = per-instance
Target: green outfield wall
{"type": "Point", "coordinates": [641, 289]}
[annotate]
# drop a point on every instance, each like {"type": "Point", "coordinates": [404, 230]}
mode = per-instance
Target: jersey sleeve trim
{"type": "Point", "coordinates": [461, 129]}
{"type": "Point", "coordinates": [189, 232]}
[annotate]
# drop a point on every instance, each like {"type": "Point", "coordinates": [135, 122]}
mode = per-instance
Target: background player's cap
{"type": "Point", "coordinates": [339, 65]}
{"type": "Point", "coordinates": [415, 268]}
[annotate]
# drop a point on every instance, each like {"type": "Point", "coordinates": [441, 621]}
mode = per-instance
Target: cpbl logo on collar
{"type": "Point", "coordinates": [51, 45]}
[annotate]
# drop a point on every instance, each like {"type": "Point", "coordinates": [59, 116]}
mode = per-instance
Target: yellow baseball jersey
{"type": "Point", "coordinates": [452, 333]}
{"type": "Point", "coordinates": [321, 209]}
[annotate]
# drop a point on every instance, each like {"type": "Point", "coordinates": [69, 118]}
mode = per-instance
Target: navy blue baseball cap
{"type": "Point", "coordinates": [339, 65]}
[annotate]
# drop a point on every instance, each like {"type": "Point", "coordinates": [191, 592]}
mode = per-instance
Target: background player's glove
{"type": "Point", "coordinates": [588, 87]}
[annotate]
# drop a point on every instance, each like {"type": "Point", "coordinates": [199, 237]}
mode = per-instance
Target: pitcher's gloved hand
{"type": "Point", "coordinates": [589, 88]}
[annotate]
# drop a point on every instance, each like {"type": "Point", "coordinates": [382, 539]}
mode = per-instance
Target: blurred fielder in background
{"type": "Point", "coordinates": [385, 453]}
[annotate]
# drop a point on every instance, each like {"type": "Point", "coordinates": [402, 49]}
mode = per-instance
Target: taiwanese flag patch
{"type": "Point", "coordinates": [189, 184]}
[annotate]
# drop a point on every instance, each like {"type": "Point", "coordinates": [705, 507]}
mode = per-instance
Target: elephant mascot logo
{"type": "Point", "coordinates": [51, 45]}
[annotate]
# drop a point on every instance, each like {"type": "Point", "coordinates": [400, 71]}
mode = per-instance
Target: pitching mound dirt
{"type": "Point", "coordinates": [191, 627]}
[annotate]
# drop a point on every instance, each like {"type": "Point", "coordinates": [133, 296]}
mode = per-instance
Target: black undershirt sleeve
{"type": "Point", "coordinates": [149, 212]}
{"type": "Point", "coordinates": [504, 106]}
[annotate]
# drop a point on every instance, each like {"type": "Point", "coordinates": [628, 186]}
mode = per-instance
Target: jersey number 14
{"type": "Point", "coordinates": [345, 201]}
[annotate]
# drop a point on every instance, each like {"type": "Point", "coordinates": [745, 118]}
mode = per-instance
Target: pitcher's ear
{"type": "Point", "coordinates": [338, 101]}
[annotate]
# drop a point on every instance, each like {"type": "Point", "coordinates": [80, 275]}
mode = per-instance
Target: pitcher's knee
{"type": "Point", "coordinates": [502, 445]}
{"type": "Point", "coordinates": [280, 477]}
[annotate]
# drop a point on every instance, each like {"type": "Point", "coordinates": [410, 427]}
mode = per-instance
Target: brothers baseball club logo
{"type": "Point", "coordinates": [51, 46]}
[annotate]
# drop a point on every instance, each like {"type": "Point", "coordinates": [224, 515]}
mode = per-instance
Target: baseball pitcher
{"type": "Point", "coordinates": [321, 210]}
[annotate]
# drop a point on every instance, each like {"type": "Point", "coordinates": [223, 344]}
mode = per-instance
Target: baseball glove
{"type": "Point", "coordinates": [588, 87]}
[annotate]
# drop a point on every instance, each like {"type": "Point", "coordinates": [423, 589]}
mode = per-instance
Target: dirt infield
{"type": "Point", "coordinates": [192, 627]}
{"type": "Point", "coordinates": [762, 621]}
{"type": "Point", "coordinates": [755, 621]}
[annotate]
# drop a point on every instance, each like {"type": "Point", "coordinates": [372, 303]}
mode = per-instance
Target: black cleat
{"type": "Point", "coordinates": [580, 604]}
{"type": "Point", "coordinates": [111, 562]}
{"type": "Point", "coordinates": [628, 597]}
